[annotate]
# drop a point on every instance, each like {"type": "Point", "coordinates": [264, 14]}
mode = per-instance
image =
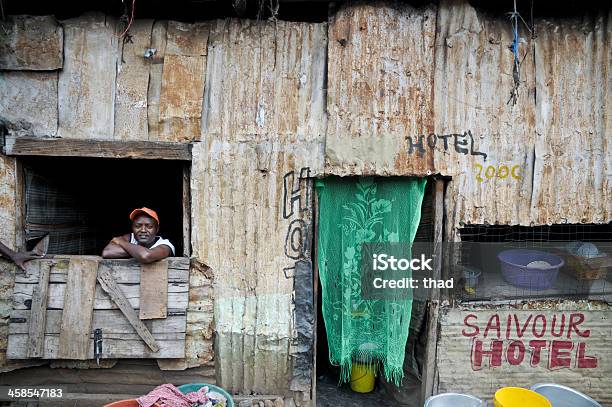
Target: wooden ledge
{"type": "Point", "coordinates": [62, 147]}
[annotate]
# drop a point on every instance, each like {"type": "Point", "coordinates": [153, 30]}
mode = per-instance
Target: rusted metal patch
{"type": "Point", "coordinates": [28, 103]}
{"type": "Point", "coordinates": [378, 95]}
{"type": "Point", "coordinates": [86, 88]}
{"type": "Point", "coordinates": [31, 43]}
{"type": "Point", "coordinates": [182, 89]}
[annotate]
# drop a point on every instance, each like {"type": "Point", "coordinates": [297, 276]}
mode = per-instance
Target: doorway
{"type": "Point", "coordinates": [328, 393]}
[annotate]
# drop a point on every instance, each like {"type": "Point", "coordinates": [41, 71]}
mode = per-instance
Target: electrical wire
{"type": "Point", "coordinates": [129, 22]}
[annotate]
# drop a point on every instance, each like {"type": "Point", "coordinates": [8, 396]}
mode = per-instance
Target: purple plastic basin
{"type": "Point", "coordinates": [515, 271]}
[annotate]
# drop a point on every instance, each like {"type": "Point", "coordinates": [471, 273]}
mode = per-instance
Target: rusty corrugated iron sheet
{"type": "Point", "coordinates": [380, 89]}
{"type": "Point", "coordinates": [264, 125]}
{"type": "Point", "coordinates": [561, 344]}
{"type": "Point", "coordinates": [573, 151]}
{"type": "Point", "coordinates": [506, 158]}
{"type": "Point", "coordinates": [31, 43]}
{"type": "Point", "coordinates": [86, 88]}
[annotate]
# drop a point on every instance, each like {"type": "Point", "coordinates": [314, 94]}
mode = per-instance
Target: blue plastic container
{"type": "Point", "coordinates": [191, 387]}
{"type": "Point", "coordinates": [515, 271]}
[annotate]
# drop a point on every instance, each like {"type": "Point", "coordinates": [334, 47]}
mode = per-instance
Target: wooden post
{"type": "Point", "coordinates": [429, 365]}
{"type": "Point", "coordinates": [186, 211]}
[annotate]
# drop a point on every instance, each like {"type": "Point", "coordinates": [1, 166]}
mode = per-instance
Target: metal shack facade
{"type": "Point", "coordinates": [264, 108]}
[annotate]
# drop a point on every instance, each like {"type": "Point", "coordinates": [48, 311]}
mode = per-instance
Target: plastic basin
{"type": "Point", "coordinates": [515, 271]}
{"type": "Point", "coordinates": [563, 396]}
{"type": "Point", "coordinates": [519, 397]}
{"type": "Point", "coordinates": [454, 400]}
{"type": "Point", "coordinates": [191, 387]}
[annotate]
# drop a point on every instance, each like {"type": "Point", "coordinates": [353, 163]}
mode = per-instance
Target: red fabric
{"type": "Point", "coordinates": [167, 395]}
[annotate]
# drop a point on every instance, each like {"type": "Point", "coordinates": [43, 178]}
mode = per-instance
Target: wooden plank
{"type": "Point", "coordinates": [62, 147]}
{"type": "Point", "coordinates": [110, 321]}
{"type": "Point", "coordinates": [177, 296]}
{"type": "Point", "coordinates": [186, 211]}
{"type": "Point", "coordinates": [114, 346]}
{"type": "Point", "coordinates": [38, 313]}
{"type": "Point", "coordinates": [20, 239]}
{"type": "Point", "coordinates": [131, 121]}
{"type": "Point", "coordinates": [78, 309]}
{"type": "Point", "coordinates": [154, 290]}
{"type": "Point", "coordinates": [158, 43]}
{"type": "Point", "coordinates": [123, 271]}
{"type": "Point", "coordinates": [429, 364]}
{"type": "Point", "coordinates": [112, 289]}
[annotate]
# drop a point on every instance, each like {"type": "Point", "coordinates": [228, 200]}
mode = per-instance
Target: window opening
{"type": "Point", "coordinates": [574, 279]}
{"type": "Point", "coordinates": [82, 203]}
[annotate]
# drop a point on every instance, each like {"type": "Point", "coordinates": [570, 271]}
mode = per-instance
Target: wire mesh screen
{"type": "Point", "coordinates": [500, 262]}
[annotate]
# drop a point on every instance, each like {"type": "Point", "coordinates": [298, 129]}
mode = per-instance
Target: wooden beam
{"type": "Point", "coordinates": [74, 339]}
{"type": "Point", "coordinates": [429, 364]}
{"type": "Point", "coordinates": [186, 212]}
{"type": "Point", "coordinates": [59, 147]}
{"type": "Point", "coordinates": [38, 313]}
{"type": "Point", "coordinates": [109, 285]}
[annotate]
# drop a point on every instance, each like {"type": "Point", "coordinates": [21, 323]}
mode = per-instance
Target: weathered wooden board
{"type": "Point", "coordinates": [182, 88]}
{"type": "Point", "coordinates": [31, 43]}
{"type": "Point", "coordinates": [111, 321]}
{"type": "Point", "coordinates": [77, 309]}
{"type": "Point", "coordinates": [38, 313]}
{"type": "Point", "coordinates": [110, 286]}
{"type": "Point", "coordinates": [131, 122]}
{"type": "Point", "coordinates": [124, 272]}
{"type": "Point", "coordinates": [7, 203]}
{"type": "Point", "coordinates": [154, 290]}
{"type": "Point", "coordinates": [158, 43]}
{"type": "Point", "coordinates": [145, 150]}
{"type": "Point", "coordinates": [177, 296]}
{"type": "Point", "coordinates": [171, 345]}
{"type": "Point", "coordinates": [87, 82]}
{"type": "Point", "coordinates": [28, 103]}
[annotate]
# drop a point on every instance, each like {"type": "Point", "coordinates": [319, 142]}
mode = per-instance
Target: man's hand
{"type": "Point", "coordinates": [19, 258]}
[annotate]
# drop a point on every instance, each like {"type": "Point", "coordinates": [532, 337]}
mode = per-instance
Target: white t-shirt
{"type": "Point", "coordinates": [158, 242]}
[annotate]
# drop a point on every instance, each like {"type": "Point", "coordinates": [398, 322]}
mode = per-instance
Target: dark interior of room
{"type": "Point", "coordinates": [84, 202]}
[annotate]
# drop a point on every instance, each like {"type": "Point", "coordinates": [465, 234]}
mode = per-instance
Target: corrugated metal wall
{"type": "Point", "coordinates": [263, 127]}
{"type": "Point", "coordinates": [258, 98]}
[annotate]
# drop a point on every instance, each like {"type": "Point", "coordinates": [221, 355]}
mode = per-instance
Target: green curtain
{"type": "Point", "coordinates": [353, 211]}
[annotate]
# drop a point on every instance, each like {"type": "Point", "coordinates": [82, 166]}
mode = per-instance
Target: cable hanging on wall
{"type": "Point", "coordinates": [517, 62]}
